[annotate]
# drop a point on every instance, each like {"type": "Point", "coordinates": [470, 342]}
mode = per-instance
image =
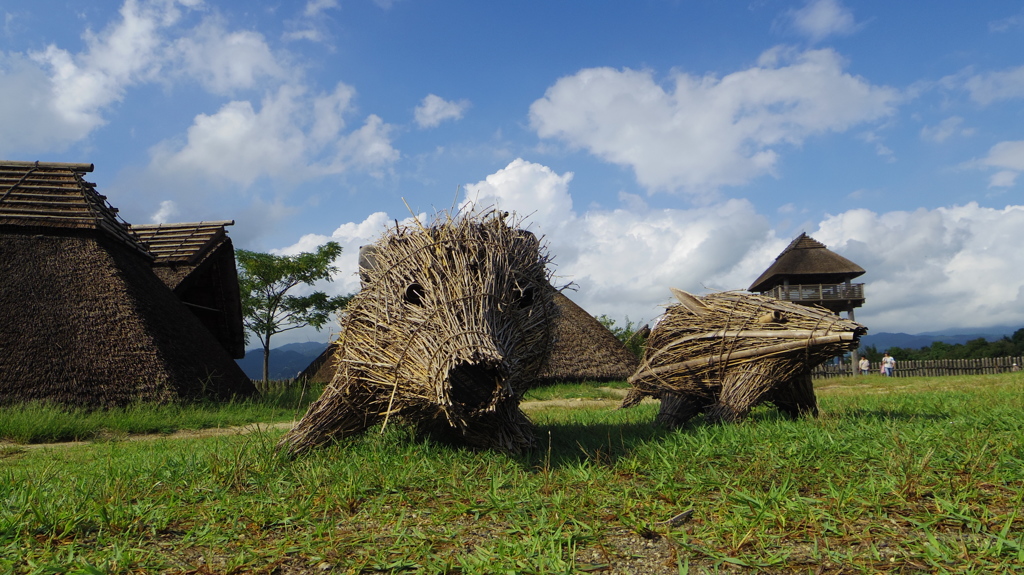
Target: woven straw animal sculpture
{"type": "Point", "coordinates": [724, 353]}
{"type": "Point", "coordinates": [452, 324]}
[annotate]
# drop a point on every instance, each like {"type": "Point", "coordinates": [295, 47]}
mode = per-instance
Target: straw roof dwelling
{"type": "Point", "coordinates": [583, 349]}
{"type": "Point", "coordinates": [808, 273]}
{"type": "Point", "coordinates": [449, 330]}
{"type": "Point", "coordinates": [197, 261]}
{"type": "Point", "coordinates": [324, 367]}
{"type": "Point", "coordinates": [87, 321]}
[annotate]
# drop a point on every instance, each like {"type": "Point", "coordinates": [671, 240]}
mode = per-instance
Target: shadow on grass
{"type": "Point", "coordinates": [570, 444]}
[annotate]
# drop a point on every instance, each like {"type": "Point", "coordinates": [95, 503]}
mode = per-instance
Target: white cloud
{"type": "Point", "coordinates": [1003, 179]}
{"type": "Point", "coordinates": [292, 136]}
{"type": "Point", "coordinates": [994, 86]}
{"type": "Point", "coordinates": [315, 7]}
{"type": "Point", "coordinates": [68, 95]}
{"type": "Point", "coordinates": [819, 19]}
{"type": "Point", "coordinates": [945, 129]}
{"type": "Point", "coordinates": [168, 209]}
{"type": "Point", "coordinates": [703, 132]}
{"type": "Point", "coordinates": [312, 24]}
{"type": "Point", "coordinates": [434, 110]}
{"type": "Point", "coordinates": [1005, 157]}
{"type": "Point", "coordinates": [224, 61]}
{"type": "Point", "coordinates": [65, 94]}
{"type": "Point", "coordinates": [934, 269]}
{"type": "Point", "coordinates": [624, 260]}
{"type": "Point", "coordinates": [926, 270]}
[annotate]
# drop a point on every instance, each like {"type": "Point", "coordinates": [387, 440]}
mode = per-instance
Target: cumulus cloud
{"type": "Point", "coordinates": [698, 133]}
{"type": "Point", "coordinates": [224, 61]}
{"type": "Point", "coordinates": [67, 95]}
{"type": "Point", "coordinates": [292, 135]}
{"type": "Point", "coordinates": [994, 86]}
{"type": "Point", "coordinates": [819, 19]}
{"type": "Point", "coordinates": [64, 95]}
{"type": "Point", "coordinates": [434, 110]}
{"type": "Point", "coordinates": [934, 269]}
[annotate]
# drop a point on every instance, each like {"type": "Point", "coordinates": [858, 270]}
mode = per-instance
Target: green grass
{"type": "Point", "coordinates": [896, 476]}
{"type": "Point", "coordinates": [43, 423]}
{"type": "Point", "coordinates": [584, 390]}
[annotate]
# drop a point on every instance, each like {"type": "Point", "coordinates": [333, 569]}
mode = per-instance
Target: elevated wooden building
{"type": "Point", "coordinates": [808, 273]}
{"type": "Point", "coordinates": [87, 321]}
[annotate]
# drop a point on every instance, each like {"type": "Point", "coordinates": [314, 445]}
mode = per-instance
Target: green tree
{"type": "Point", "coordinates": [264, 281]}
{"type": "Point", "coordinates": [632, 336]}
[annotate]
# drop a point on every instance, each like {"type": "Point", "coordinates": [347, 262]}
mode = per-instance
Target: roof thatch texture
{"type": "Point", "coordinates": [87, 322]}
{"type": "Point", "coordinates": [451, 327]}
{"type": "Point", "coordinates": [324, 367]}
{"type": "Point", "coordinates": [197, 261]}
{"type": "Point", "coordinates": [583, 349]}
{"type": "Point", "coordinates": [806, 260]}
{"type": "Point", "coordinates": [724, 353]}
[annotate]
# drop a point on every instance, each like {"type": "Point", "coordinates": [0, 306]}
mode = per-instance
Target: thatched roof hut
{"type": "Point", "coordinates": [87, 322]}
{"type": "Point", "coordinates": [323, 368]}
{"type": "Point", "coordinates": [583, 349]}
{"type": "Point", "coordinates": [197, 261]}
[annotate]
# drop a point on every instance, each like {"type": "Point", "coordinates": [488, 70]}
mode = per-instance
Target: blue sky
{"type": "Point", "coordinates": [653, 143]}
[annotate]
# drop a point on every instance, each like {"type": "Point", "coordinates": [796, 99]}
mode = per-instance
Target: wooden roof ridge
{"type": "Point", "coordinates": [808, 257]}
{"type": "Point", "coordinates": [185, 242]}
{"type": "Point", "coordinates": [54, 195]}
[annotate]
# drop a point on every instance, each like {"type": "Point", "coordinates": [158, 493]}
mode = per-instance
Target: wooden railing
{"type": "Point", "coordinates": [932, 367]}
{"type": "Point", "coordinates": [817, 292]}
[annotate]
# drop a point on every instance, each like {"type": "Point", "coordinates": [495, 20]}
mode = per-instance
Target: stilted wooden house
{"type": "Point", "coordinates": [808, 273]}
{"type": "Point", "coordinates": [87, 322]}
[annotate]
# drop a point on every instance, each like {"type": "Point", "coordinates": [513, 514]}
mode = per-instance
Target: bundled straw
{"type": "Point", "coordinates": [724, 353]}
{"type": "Point", "coordinates": [452, 324]}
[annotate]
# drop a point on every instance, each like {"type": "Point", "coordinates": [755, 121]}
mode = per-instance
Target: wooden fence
{"type": "Point", "coordinates": [931, 367]}
{"type": "Point", "coordinates": [275, 385]}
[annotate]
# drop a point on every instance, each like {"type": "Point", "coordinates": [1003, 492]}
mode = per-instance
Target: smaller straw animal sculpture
{"type": "Point", "coordinates": [451, 326]}
{"type": "Point", "coordinates": [724, 353]}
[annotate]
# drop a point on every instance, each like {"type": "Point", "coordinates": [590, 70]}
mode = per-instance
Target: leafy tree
{"type": "Point", "coordinates": [264, 281]}
{"type": "Point", "coordinates": [631, 336]}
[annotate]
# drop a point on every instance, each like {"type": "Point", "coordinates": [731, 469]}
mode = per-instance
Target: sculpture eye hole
{"type": "Point", "coordinates": [414, 294]}
{"type": "Point", "coordinates": [524, 297]}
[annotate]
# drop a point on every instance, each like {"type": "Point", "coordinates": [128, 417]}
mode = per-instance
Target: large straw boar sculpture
{"type": "Point", "coordinates": [452, 324]}
{"type": "Point", "coordinates": [724, 353]}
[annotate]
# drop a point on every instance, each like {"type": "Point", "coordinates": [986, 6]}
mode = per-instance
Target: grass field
{"type": "Point", "coordinates": [897, 475]}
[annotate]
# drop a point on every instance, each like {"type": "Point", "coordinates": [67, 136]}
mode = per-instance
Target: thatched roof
{"type": "Point", "coordinates": [584, 350]}
{"type": "Point", "coordinates": [87, 322]}
{"type": "Point", "coordinates": [197, 261]}
{"type": "Point", "coordinates": [806, 261]}
{"type": "Point", "coordinates": [54, 195]}
{"type": "Point", "coordinates": [323, 368]}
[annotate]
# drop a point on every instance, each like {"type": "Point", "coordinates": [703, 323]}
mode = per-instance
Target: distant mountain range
{"type": "Point", "coordinates": [883, 341]}
{"type": "Point", "coordinates": [285, 361]}
{"type": "Point", "coordinates": [290, 359]}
